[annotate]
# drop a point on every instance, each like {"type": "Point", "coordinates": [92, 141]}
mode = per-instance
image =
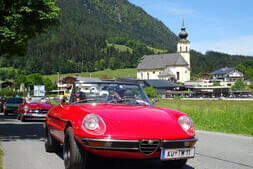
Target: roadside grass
{"type": "Point", "coordinates": [1, 157]}
{"type": "Point", "coordinates": [216, 115]}
{"type": "Point", "coordinates": [100, 74]}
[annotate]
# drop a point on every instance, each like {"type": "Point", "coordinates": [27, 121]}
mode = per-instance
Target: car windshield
{"type": "Point", "coordinates": [14, 100]}
{"type": "Point", "coordinates": [110, 93]}
{"type": "Point", "coordinates": [37, 100]}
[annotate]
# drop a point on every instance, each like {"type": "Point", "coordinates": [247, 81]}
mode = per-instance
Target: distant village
{"type": "Point", "coordinates": [170, 75]}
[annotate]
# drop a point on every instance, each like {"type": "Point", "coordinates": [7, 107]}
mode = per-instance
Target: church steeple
{"type": "Point", "coordinates": [183, 45]}
{"type": "Point", "coordinates": [183, 34]}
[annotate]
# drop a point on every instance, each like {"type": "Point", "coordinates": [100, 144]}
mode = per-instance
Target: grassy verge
{"type": "Point", "coordinates": [223, 116]}
{"type": "Point", "coordinates": [1, 158]}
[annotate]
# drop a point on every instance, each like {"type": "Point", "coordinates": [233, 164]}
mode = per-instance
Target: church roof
{"type": "Point", "coordinates": [162, 61]}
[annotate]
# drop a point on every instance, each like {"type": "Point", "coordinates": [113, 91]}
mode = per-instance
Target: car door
{"type": "Point", "coordinates": [57, 121]}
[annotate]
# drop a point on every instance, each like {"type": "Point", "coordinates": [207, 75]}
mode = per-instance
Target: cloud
{"type": "Point", "coordinates": [236, 46]}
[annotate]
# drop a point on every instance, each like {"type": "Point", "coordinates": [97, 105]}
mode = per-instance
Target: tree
{"type": "Point", "coordinates": [20, 79]}
{"type": "Point", "coordinates": [34, 79]}
{"type": "Point", "coordinates": [151, 92]}
{"type": "Point", "coordinates": [48, 84]}
{"type": "Point", "coordinates": [21, 21]}
{"type": "Point", "coordinates": [238, 85]}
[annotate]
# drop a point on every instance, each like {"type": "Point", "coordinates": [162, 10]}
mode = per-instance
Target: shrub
{"type": "Point", "coordinates": [151, 92]}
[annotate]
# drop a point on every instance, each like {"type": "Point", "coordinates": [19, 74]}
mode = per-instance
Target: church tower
{"type": "Point", "coordinates": [183, 45]}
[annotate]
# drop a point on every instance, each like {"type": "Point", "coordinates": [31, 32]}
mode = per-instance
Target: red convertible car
{"type": "Point", "coordinates": [34, 108]}
{"type": "Point", "coordinates": [117, 120]}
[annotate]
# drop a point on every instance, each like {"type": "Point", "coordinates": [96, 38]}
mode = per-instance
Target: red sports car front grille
{"type": "Point", "coordinates": [148, 147]}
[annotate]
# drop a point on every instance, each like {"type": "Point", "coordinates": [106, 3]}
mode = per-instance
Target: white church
{"type": "Point", "coordinates": [171, 66]}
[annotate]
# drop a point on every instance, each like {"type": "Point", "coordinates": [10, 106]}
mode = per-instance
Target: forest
{"type": "Point", "coordinates": [92, 33]}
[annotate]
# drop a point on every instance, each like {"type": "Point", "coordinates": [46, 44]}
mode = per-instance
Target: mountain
{"type": "Point", "coordinates": [98, 34]}
{"type": "Point", "coordinates": [80, 43]}
{"type": "Point", "coordinates": [211, 61]}
{"type": "Point", "coordinates": [115, 19]}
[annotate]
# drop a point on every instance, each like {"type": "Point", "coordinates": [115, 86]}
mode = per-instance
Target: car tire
{"type": "Point", "coordinates": [5, 113]}
{"type": "Point", "coordinates": [22, 118]}
{"type": "Point", "coordinates": [175, 163]}
{"type": "Point", "coordinates": [18, 116]}
{"type": "Point", "coordinates": [75, 157]}
{"type": "Point", "coordinates": [51, 145]}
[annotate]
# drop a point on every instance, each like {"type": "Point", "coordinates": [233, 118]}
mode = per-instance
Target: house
{"type": "Point", "coordinates": [65, 83]}
{"type": "Point", "coordinates": [6, 84]}
{"type": "Point", "coordinates": [227, 76]}
{"type": "Point", "coordinates": [173, 67]}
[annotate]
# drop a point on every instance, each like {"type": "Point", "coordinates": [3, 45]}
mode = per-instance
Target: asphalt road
{"type": "Point", "coordinates": [23, 148]}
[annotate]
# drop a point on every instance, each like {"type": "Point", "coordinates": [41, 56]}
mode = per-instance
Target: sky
{"type": "Point", "coordinates": [217, 25]}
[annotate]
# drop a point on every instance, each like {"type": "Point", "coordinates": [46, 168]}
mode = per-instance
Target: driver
{"type": "Point", "coordinates": [80, 96]}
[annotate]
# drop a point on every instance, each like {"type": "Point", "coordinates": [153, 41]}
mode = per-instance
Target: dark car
{"type": "Point", "coordinates": [11, 105]}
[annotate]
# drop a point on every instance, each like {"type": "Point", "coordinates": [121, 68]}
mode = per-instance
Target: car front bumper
{"type": "Point", "coordinates": [146, 148]}
{"type": "Point", "coordinates": [34, 115]}
{"type": "Point", "coordinates": [11, 110]}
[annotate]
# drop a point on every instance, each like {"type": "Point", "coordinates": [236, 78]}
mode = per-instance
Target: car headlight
{"type": "Point", "coordinates": [93, 124]}
{"type": "Point", "coordinates": [187, 124]}
{"type": "Point", "coordinates": [26, 108]}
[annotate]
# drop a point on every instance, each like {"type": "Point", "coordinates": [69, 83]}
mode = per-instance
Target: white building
{"type": "Point", "coordinates": [171, 66]}
{"type": "Point", "coordinates": [227, 76]}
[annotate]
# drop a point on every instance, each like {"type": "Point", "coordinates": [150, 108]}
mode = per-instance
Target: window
{"type": "Point", "coordinates": [180, 48]}
{"type": "Point", "coordinates": [186, 72]}
{"type": "Point", "coordinates": [178, 76]}
{"type": "Point", "coordinates": [186, 49]}
{"type": "Point", "coordinates": [148, 75]}
{"type": "Point", "coordinates": [141, 75]}
{"type": "Point", "coordinates": [153, 72]}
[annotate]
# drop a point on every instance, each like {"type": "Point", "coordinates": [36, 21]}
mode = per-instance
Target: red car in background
{"type": "Point", "coordinates": [34, 108]}
{"type": "Point", "coordinates": [117, 120]}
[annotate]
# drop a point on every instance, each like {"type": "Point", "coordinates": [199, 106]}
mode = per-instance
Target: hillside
{"type": "Point", "coordinates": [80, 43]}
{"type": "Point", "coordinates": [94, 35]}
{"type": "Point", "coordinates": [211, 61]}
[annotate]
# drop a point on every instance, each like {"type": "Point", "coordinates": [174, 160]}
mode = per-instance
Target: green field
{"type": "Point", "coordinates": [109, 73]}
{"type": "Point", "coordinates": [217, 115]}
{"type": "Point", "coordinates": [121, 48]}
{"type": "Point", "coordinates": [156, 51]}
{"type": "Point", "coordinates": [124, 48]}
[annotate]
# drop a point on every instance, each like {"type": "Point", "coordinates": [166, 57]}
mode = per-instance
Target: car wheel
{"type": "Point", "coordinates": [175, 163]}
{"type": "Point", "coordinates": [5, 113]}
{"type": "Point", "coordinates": [18, 116]}
{"type": "Point", "coordinates": [51, 145]}
{"type": "Point", "coordinates": [75, 157]}
{"type": "Point", "coordinates": [22, 118]}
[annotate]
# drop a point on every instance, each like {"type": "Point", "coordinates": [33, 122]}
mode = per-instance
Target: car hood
{"type": "Point", "coordinates": [12, 104]}
{"type": "Point", "coordinates": [138, 122]}
{"type": "Point", "coordinates": [39, 105]}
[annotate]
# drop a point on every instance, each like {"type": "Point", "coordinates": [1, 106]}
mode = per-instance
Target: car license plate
{"type": "Point", "coordinates": [167, 154]}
